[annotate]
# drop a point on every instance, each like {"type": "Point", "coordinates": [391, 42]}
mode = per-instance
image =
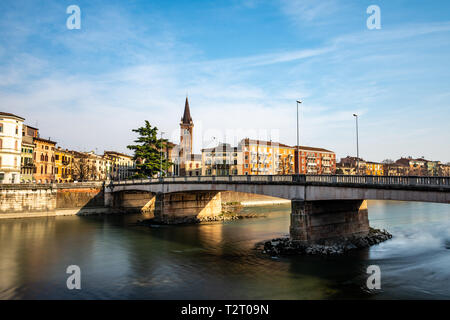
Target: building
{"type": "Point", "coordinates": [258, 157]}
{"type": "Point", "coordinates": [395, 169]}
{"type": "Point", "coordinates": [27, 162]}
{"type": "Point", "coordinates": [181, 155]}
{"type": "Point", "coordinates": [44, 159]}
{"type": "Point", "coordinates": [374, 169]}
{"type": "Point", "coordinates": [285, 159]}
{"type": "Point", "coordinates": [193, 165]}
{"type": "Point", "coordinates": [10, 147]}
{"type": "Point", "coordinates": [222, 160]}
{"type": "Point", "coordinates": [271, 158]}
{"type": "Point", "coordinates": [314, 160]}
{"type": "Point", "coordinates": [63, 165]}
{"type": "Point", "coordinates": [445, 170]}
{"type": "Point", "coordinates": [348, 166]}
{"type": "Point", "coordinates": [433, 168]}
{"type": "Point", "coordinates": [122, 166]}
{"type": "Point", "coordinates": [168, 150]}
{"type": "Point", "coordinates": [416, 167]}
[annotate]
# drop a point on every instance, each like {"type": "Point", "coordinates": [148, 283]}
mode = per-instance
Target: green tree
{"type": "Point", "coordinates": [147, 152]}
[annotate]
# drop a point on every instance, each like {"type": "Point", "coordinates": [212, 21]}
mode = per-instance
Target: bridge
{"type": "Point", "coordinates": [323, 206]}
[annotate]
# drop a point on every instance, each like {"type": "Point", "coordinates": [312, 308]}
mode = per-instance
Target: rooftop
{"type": "Point", "coordinates": [7, 114]}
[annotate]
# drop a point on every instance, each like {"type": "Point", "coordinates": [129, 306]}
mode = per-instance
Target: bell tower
{"type": "Point", "coordinates": [186, 130]}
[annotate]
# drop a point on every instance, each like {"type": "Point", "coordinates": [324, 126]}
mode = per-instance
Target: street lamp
{"type": "Point", "coordinates": [161, 152]}
{"type": "Point", "coordinates": [298, 143]}
{"type": "Point", "coordinates": [357, 144]}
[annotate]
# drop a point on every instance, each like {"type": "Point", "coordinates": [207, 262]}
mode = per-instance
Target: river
{"type": "Point", "coordinates": [120, 260]}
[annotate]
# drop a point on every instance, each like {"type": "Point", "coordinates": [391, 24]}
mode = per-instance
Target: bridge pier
{"type": "Point", "coordinates": [188, 207]}
{"type": "Point", "coordinates": [316, 221]}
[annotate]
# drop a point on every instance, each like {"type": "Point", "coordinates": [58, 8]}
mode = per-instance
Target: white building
{"type": "Point", "coordinates": [10, 147]}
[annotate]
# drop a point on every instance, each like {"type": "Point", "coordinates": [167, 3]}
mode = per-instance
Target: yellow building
{"type": "Point", "coordinates": [374, 169]}
{"type": "Point", "coordinates": [266, 157]}
{"type": "Point", "coordinates": [63, 165]}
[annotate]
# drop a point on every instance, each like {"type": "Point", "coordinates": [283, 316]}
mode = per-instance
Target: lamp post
{"type": "Point", "coordinates": [213, 159]}
{"type": "Point", "coordinates": [357, 144]}
{"type": "Point", "coordinates": [161, 152]}
{"type": "Point", "coordinates": [298, 143]}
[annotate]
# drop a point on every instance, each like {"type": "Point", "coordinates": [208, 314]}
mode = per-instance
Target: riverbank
{"type": "Point", "coordinates": [284, 246]}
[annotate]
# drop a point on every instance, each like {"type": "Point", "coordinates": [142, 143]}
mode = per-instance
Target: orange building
{"type": "Point", "coordinates": [313, 160]}
{"type": "Point", "coordinates": [258, 157]}
{"type": "Point", "coordinates": [44, 159]}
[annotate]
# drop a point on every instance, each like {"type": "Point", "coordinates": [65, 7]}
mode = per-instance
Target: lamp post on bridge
{"type": "Point", "coordinates": [161, 152]}
{"type": "Point", "coordinates": [357, 144]}
{"type": "Point", "coordinates": [298, 143]}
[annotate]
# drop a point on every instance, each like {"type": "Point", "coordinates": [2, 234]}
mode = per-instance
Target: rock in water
{"type": "Point", "coordinates": [284, 246]}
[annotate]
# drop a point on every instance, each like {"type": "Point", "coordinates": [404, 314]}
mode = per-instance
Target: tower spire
{"type": "Point", "coordinates": [187, 113]}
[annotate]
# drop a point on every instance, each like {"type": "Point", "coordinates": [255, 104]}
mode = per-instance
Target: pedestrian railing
{"type": "Point", "coordinates": [300, 179]}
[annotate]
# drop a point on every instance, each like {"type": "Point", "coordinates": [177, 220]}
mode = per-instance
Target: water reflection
{"type": "Point", "coordinates": [120, 260]}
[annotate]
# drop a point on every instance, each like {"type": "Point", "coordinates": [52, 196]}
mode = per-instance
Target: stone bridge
{"type": "Point", "coordinates": [323, 206]}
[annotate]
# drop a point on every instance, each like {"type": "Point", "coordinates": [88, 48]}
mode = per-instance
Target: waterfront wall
{"type": "Point", "coordinates": [34, 200]}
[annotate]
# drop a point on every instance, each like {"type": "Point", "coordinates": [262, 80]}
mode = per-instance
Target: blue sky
{"type": "Point", "coordinates": [243, 65]}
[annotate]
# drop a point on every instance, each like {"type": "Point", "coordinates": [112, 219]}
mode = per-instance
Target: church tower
{"type": "Point", "coordinates": [186, 131]}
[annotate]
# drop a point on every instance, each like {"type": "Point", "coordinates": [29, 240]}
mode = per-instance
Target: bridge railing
{"type": "Point", "coordinates": [302, 179]}
{"type": "Point", "coordinates": [380, 180]}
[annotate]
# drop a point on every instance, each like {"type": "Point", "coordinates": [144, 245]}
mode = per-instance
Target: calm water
{"type": "Point", "coordinates": [119, 260]}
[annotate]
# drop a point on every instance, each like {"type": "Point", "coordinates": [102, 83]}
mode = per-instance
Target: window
{"type": "Point", "coordinates": [45, 169]}
{"type": "Point", "coordinates": [15, 162]}
{"type": "Point", "coordinates": [17, 130]}
{"type": "Point", "coordinates": [16, 146]}
{"type": "Point", "coordinates": [42, 157]}
{"type": "Point", "coordinates": [46, 160]}
{"type": "Point", "coordinates": [1, 143]}
{"type": "Point", "coordinates": [1, 127]}
{"type": "Point", "coordinates": [42, 169]}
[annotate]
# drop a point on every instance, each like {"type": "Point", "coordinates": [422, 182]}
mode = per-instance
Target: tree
{"type": "Point", "coordinates": [83, 168]}
{"type": "Point", "coordinates": [387, 165]}
{"type": "Point", "coordinates": [147, 152]}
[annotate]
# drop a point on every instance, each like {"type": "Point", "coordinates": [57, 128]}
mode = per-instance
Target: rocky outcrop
{"type": "Point", "coordinates": [284, 246]}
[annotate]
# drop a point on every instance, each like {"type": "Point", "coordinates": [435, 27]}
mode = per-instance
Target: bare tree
{"type": "Point", "coordinates": [387, 165]}
{"type": "Point", "coordinates": [83, 168]}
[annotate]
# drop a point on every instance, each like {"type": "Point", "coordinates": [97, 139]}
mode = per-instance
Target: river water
{"type": "Point", "coordinates": [119, 260]}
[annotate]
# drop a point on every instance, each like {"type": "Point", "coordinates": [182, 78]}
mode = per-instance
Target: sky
{"type": "Point", "coordinates": [242, 63]}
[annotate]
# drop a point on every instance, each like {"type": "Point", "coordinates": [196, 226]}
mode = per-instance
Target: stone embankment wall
{"type": "Point", "coordinates": [35, 200]}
